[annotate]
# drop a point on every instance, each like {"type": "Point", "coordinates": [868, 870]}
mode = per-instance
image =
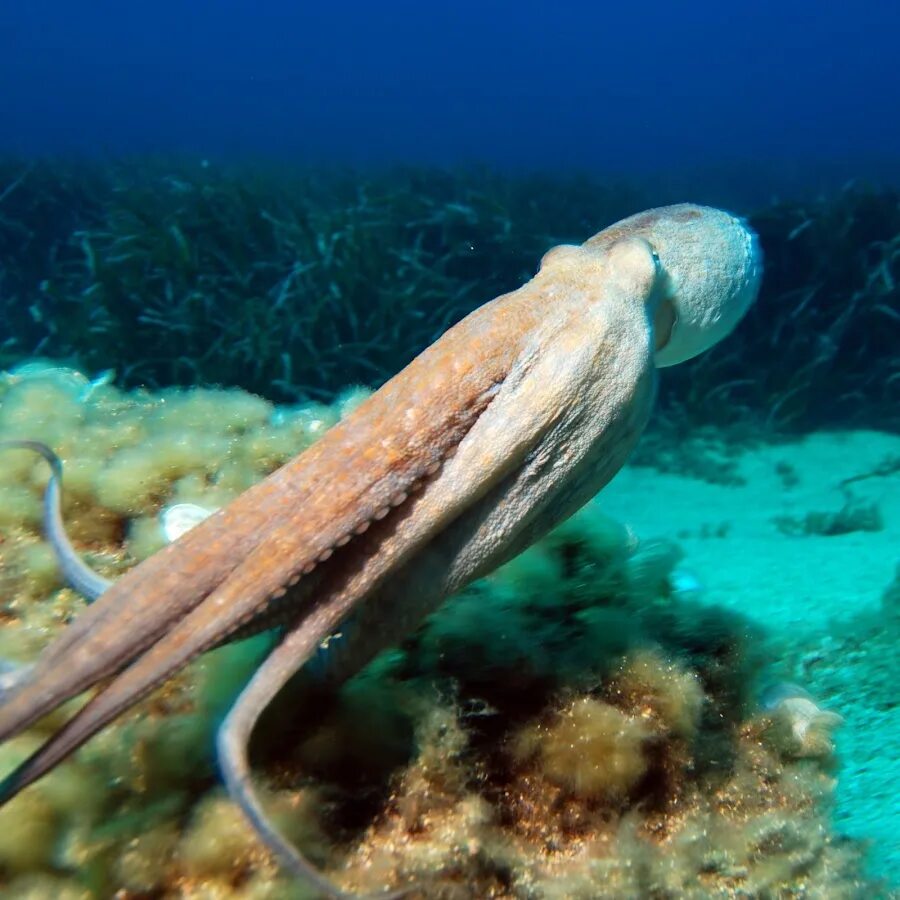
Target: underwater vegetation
{"type": "Point", "coordinates": [309, 281]}
{"type": "Point", "coordinates": [819, 348]}
{"type": "Point", "coordinates": [574, 725]}
{"type": "Point", "coordinates": [512, 420]}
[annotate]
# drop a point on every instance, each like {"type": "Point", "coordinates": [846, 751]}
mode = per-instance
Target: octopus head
{"type": "Point", "coordinates": [711, 265]}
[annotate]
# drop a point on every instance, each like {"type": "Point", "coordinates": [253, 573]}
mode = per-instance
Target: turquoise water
{"type": "Point", "coordinates": [825, 603]}
{"type": "Point", "coordinates": [223, 225]}
{"type": "Point", "coordinates": [751, 539]}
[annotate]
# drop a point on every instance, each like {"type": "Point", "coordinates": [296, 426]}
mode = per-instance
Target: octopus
{"type": "Point", "coordinates": [505, 426]}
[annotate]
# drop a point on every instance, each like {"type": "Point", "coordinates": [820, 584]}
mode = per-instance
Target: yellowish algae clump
{"type": "Point", "coordinates": [121, 802]}
{"type": "Point", "coordinates": [551, 733]}
{"type": "Point", "coordinates": [591, 749]}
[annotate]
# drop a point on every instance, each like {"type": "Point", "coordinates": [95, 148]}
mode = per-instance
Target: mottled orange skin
{"type": "Point", "coordinates": [502, 428]}
{"type": "Point", "coordinates": [223, 573]}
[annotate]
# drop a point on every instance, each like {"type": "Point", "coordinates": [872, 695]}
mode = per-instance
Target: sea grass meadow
{"type": "Point", "coordinates": [175, 329]}
{"type": "Point", "coordinates": [224, 225]}
{"type": "Point", "coordinates": [295, 284]}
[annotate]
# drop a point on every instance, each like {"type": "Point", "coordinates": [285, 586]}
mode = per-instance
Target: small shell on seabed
{"type": "Point", "coordinates": [175, 520]}
{"type": "Point", "coordinates": [800, 727]}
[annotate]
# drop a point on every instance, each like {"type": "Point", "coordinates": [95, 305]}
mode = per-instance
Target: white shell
{"type": "Point", "coordinates": [179, 518]}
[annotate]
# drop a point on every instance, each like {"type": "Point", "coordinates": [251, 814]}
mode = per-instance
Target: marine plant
{"type": "Point", "coordinates": [313, 280]}
{"type": "Point", "coordinates": [307, 280]}
{"type": "Point", "coordinates": [819, 348]}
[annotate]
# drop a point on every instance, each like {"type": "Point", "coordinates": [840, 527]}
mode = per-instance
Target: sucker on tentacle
{"type": "Point", "coordinates": [502, 428]}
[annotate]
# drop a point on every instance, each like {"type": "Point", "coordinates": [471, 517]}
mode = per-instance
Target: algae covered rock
{"type": "Point", "coordinates": [573, 726]}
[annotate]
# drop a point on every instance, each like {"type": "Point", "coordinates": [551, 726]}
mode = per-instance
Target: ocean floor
{"type": "Point", "coordinates": [817, 596]}
{"type": "Point", "coordinates": [575, 722]}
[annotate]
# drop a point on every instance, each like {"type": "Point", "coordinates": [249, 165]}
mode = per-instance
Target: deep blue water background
{"type": "Point", "coordinates": [733, 103]}
{"type": "Point", "coordinates": [778, 92]}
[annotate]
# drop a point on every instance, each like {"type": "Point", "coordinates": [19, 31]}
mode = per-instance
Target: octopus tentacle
{"type": "Point", "coordinates": [320, 501]}
{"type": "Point", "coordinates": [233, 739]}
{"type": "Point", "coordinates": [253, 591]}
{"type": "Point", "coordinates": [76, 572]}
{"type": "Point", "coordinates": [471, 468]}
{"type": "Point", "coordinates": [247, 594]}
{"type": "Point", "coordinates": [498, 431]}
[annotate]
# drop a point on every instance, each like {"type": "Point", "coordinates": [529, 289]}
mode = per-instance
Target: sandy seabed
{"type": "Point", "coordinates": [818, 597]}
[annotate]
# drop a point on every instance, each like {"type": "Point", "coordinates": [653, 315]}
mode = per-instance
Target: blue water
{"type": "Point", "coordinates": [738, 104]}
{"type": "Point", "coordinates": [792, 87]}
